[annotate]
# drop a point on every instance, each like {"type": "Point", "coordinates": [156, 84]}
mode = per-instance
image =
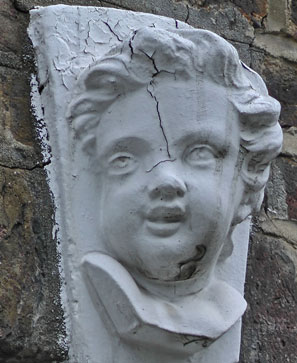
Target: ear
{"type": "Point", "coordinates": [250, 204]}
{"type": "Point", "coordinates": [254, 174]}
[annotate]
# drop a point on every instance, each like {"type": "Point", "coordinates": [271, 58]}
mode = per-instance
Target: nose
{"type": "Point", "coordinates": [166, 185]}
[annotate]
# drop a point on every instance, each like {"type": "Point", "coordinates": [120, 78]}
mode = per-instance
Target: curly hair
{"type": "Point", "coordinates": [186, 54]}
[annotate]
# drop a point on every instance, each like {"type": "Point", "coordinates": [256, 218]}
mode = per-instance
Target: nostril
{"type": "Point", "coordinates": [180, 193]}
{"type": "Point", "coordinates": [181, 189]}
{"type": "Point", "coordinates": [168, 190]}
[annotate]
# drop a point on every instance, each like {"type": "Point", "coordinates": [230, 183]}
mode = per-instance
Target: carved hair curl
{"type": "Point", "coordinates": [186, 54]}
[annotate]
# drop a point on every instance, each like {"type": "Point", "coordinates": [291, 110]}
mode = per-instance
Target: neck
{"type": "Point", "coordinates": [173, 290]}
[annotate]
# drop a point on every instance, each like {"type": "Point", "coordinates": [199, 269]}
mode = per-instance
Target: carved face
{"type": "Point", "coordinates": [168, 179]}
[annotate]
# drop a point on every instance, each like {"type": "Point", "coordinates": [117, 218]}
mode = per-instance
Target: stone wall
{"type": "Point", "coordinates": [31, 317]}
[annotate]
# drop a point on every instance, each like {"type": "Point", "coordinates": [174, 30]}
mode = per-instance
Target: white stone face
{"type": "Point", "coordinates": [162, 212]}
{"type": "Point", "coordinates": [161, 144]}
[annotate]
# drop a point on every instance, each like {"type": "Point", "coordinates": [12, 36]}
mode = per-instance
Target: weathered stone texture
{"type": "Point", "coordinates": [224, 22]}
{"type": "Point", "coordinates": [17, 147]}
{"type": "Point", "coordinates": [30, 312]}
{"type": "Point", "coordinates": [265, 33]}
{"type": "Point", "coordinates": [280, 77]}
{"type": "Point", "coordinates": [270, 321]}
{"type": "Point", "coordinates": [288, 168]}
{"type": "Point", "coordinates": [256, 8]}
{"type": "Point", "coordinates": [31, 318]}
{"type": "Point", "coordinates": [294, 11]}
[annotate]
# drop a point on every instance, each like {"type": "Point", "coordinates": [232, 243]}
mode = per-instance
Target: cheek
{"type": "Point", "coordinates": [204, 212]}
{"type": "Point", "coordinates": [203, 192]}
{"type": "Point", "coordinates": [121, 224]}
{"type": "Point", "coordinates": [209, 206]}
{"type": "Point", "coordinates": [123, 203]}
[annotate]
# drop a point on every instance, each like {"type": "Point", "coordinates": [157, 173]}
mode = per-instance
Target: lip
{"type": "Point", "coordinates": [164, 221]}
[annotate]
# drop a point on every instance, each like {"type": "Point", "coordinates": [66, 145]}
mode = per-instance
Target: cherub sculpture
{"type": "Point", "coordinates": [180, 135]}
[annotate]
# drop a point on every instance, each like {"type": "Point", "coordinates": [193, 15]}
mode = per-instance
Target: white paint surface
{"type": "Point", "coordinates": [104, 329]}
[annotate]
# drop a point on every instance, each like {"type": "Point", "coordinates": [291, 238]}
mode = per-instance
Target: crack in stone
{"type": "Point", "coordinates": [240, 41]}
{"type": "Point", "coordinates": [189, 268]}
{"type": "Point", "coordinates": [115, 34]}
{"type": "Point", "coordinates": [130, 43]}
{"type": "Point", "coordinates": [277, 233]}
{"type": "Point", "coordinates": [188, 14]}
{"type": "Point", "coordinates": [160, 162]}
{"type": "Point", "coordinates": [199, 339]}
{"type": "Point", "coordinates": [37, 166]}
{"type": "Point", "coordinates": [163, 131]}
{"type": "Point", "coordinates": [88, 35]}
{"type": "Point", "coordinates": [160, 121]}
{"type": "Point", "coordinates": [153, 61]}
{"type": "Point", "coordinates": [131, 47]}
{"type": "Point", "coordinates": [278, 236]}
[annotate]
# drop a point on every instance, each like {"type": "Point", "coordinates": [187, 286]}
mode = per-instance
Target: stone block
{"type": "Point", "coordinates": [294, 11]}
{"type": "Point", "coordinates": [26, 5]}
{"type": "Point", "coordinates": [17, 143]}
{"type": "Point", "coordinates": [275, 202]}
{"type": "Point", "coordinates": [280, 77]}
{"type": "Point", "coordinates": [256, 8]}
{"type": "Point", "coordinates": [288, 168]}
{"type": "Point", "coordinates": [63, 23]}
{"type": "Point", "coordinates": [286, 230]}
{"type": "Point", "coordinates": [278, 46]}
{"type": "Point", "coordinates": [243, 51]}
{"type": "Point", "coordinates": [31, 319]}
{"type": "Point", "coordinates": [225, 22]}
{"type": "Point", "coordinates": [290, 143]}
{"type": "Point", "coordinates": [165, 7]}
{"type": "Point", "coordinates": [277, 16]}
{"type": "Point", "coordinates": [269, 325]}
{"type": "Point", "coordinates": [11, 39]}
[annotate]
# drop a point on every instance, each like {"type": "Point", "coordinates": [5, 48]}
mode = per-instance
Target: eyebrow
{"type": "Point", "coordinates": [129, 143]}
{"type": "Point", "coordinates": [218, 140]}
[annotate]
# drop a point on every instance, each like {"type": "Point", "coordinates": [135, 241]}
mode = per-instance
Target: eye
{"type": "Point", "coordinates": [199, 155]}
{"type": "Point", "coordinates": [122, 163]}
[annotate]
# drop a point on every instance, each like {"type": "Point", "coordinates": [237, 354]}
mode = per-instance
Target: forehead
{"type": "Point", "coordinates": [175, 109]}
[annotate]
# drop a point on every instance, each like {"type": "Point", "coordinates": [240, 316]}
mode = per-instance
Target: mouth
{"type": "Point", "coordinates": [165, 221]}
